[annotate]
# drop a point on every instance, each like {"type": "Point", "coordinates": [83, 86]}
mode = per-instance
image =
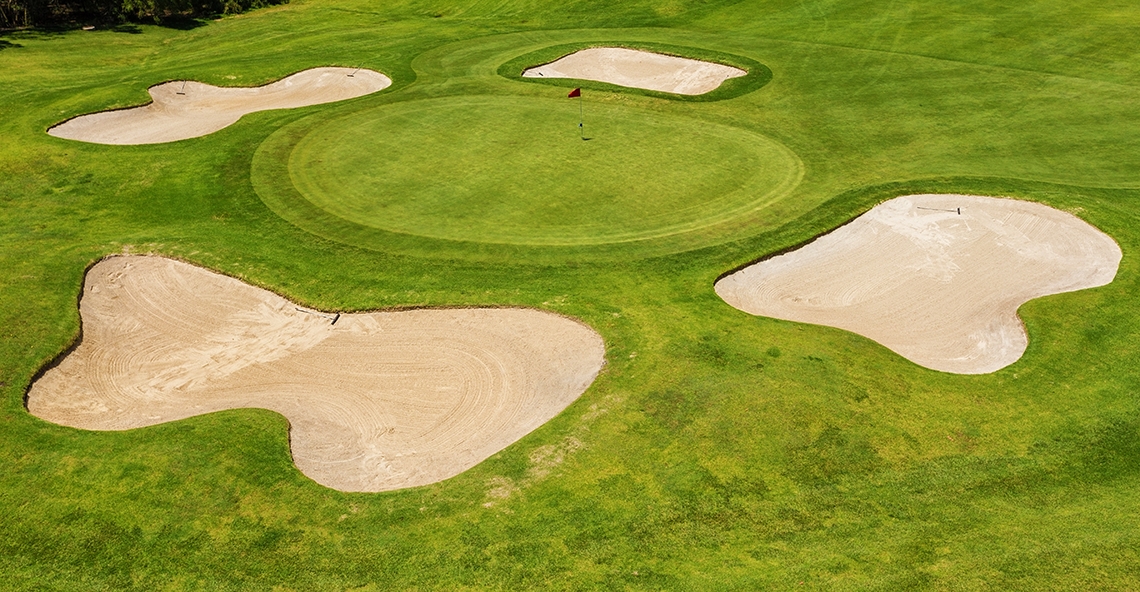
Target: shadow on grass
{"type": "Point", "coordinates": [54, 30]}
{"type": "Point", "coordinates": [41, 32]}
{"type": "Point", "coordinates": [181, 22]}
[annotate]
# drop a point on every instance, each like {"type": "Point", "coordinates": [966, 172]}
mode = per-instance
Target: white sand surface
{"type": "Point", "coordinates": [187, 109]}
{"type": "Point", "coordinates": [376, 401]}
{"type": "Point", "coordinates": [938, 287]}
{"type": "Point", "coordinates": [638, 69]}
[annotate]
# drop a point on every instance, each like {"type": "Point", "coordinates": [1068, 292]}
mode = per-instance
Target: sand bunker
{"type": "Point", "coordinates": [376, 401]}
{"type": "Point", "coordinates": [186, 109]}
{"type": "Point", "coordinates": [939, 287]}
{"type": "Point", "coordinates": [638, 69]}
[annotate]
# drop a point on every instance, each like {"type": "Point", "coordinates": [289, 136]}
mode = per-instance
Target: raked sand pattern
{"type": "Point", "coordinates": [638, 69]}
{"type": "Point", "coordinates": [376, 401]}
{"type": "Point", "coordinates": [939, 287]}
{"type": "Point", "coordinates": [187, 109]}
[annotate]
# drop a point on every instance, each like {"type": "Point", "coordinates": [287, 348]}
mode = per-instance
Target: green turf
{"type": "Point", "coordinates": [517, 171]}
{"type": "Point", "coordinates": [717, 450]}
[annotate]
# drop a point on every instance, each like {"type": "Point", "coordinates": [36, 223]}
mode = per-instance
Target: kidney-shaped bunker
{"type": "Point", "coordinates": [186, 109]}
{"type": "Point", "coordinates": [376, 401]}
{"type": "Point", "coordinates": [638, 69]}
{"type": "Point", "coordinates": [936, 278]}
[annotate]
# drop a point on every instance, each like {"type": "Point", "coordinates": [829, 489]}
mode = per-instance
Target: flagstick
{"type": "Point", "coordinates": [581, 120]}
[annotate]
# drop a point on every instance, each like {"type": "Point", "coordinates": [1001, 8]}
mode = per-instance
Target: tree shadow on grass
{"type": "Point", "coordinates": [55, 30]}
{"type": "Point", "coordinates": [38, 33]}
{"type": "Point", "coordinates": [181, 22]}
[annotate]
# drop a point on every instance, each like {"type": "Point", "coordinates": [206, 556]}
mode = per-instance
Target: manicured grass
{"type": "Point", "coordinates": [717, 450]}
{"type": "Point", "coordinates": [517, 171]}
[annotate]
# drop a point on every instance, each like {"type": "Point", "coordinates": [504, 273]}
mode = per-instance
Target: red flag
{"type": "Point", "coordinates": [575, 93]}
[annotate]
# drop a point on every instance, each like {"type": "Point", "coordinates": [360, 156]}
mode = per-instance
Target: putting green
{"type": "Point", "coordinates": [515, 171]}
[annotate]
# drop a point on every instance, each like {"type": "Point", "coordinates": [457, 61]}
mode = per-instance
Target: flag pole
{"type": "Point", "coordinates": [581, 119]}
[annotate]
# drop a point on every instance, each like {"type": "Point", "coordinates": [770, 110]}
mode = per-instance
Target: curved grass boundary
{"type": "Point", "coordinates": [649, 174]}
{"type": "Point", "coordinates": [758, 74]}
{"type": "Point", "coordinates": [273, 182]}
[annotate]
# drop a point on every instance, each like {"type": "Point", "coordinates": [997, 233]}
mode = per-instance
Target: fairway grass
{"type": "Point", "coordinates": [716, 450]}
{"type": "Point", "coordinates": [515, 171]}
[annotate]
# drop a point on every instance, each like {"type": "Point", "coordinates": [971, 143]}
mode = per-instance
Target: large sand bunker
{"type": "Point", "coordinates": [638, 69]}
{"type": "Point", "coordinates": [936, 278]}
{"type": "Point", "coordinates": [187, 109]}
{"type": "Point", "coordinates": [376, 401]}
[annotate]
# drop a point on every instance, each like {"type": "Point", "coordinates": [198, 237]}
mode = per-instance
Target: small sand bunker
{"type": "Point", "coordinates": [638, 69]}
{"type": "Point", "coordinates": [186, 109]}
{"type": "Point", "coordinates": [376, 401]}
{"type": "Point", "coordinates": [936, 278]}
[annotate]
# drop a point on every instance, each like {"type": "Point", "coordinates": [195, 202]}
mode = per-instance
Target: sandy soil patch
{"type": "Point", "coordinates": [376, 401]}
{"type": "Point", "coordinates": [638, 69]}
{"type": "Point", "coordinates": [187, 109]}
{"type": "Point", "coordinates": [939, 287]}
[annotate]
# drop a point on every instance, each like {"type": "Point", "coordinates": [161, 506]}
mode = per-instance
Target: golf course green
{"type": "Point", "coordinates": [715, 450]}
{"type": "Point", "coordinates": [517, 171]}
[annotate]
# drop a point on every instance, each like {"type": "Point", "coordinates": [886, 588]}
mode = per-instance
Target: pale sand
{"type": "Point", "coordinates": [939, 288]}
{"type": "Point", "coordinates": [205, 109]}
{"type": "Point", "coordinates": [376, 401]}
{"type": "Point", "coordinates": [638, 69]}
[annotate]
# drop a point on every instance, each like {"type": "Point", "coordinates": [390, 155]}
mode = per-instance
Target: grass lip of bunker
{"type": "Point", "coordinates": [936, 278]}
{"type": "Point", "coordinates": [513, 171]}
{"type": "Point", "coordinates": [376, 401]}
{"type": "Point", "coordinates": [638, 69]}
{"type": "Point", "coordinates": [186, 109]}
